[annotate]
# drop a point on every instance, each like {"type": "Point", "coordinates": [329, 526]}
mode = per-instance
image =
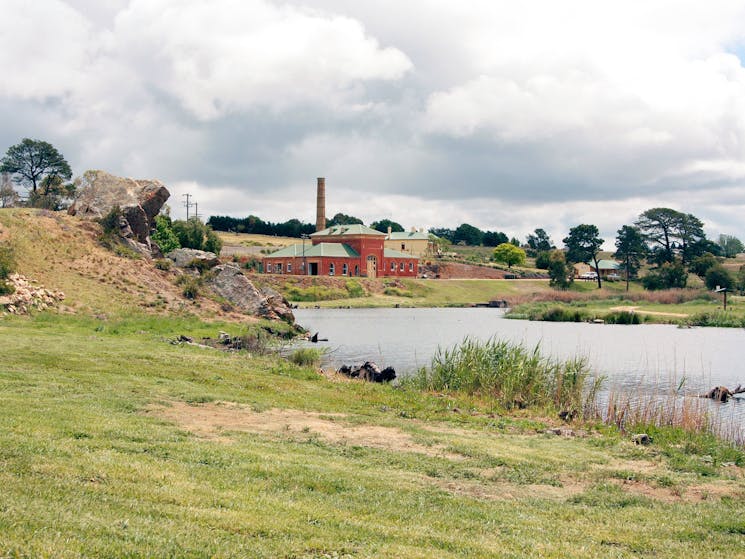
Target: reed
{"type": "Point", "coordinates": [635, 409]}
{"type": "Point", "coordinates": [511, 375]}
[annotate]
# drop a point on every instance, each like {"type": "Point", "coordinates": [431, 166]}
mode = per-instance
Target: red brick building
{"type": "Point", "coordinates": [342, 250]}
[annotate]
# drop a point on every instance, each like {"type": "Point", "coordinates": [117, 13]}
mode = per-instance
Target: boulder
{"type": "Point", "coordinates": [190, 257]}
{"type": "Point", "coordinates": [139, 201]}
{"type": "Point", "coordinates": [230, 282]}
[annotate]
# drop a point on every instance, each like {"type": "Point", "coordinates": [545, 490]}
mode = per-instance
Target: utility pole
{"type": "Point", "coordinates": [188, 204]}
{"type": "Point", "coordinates": [196, 210]}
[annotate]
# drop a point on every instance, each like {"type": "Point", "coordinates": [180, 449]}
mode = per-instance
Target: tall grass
{"type": "Point", "coordinates": [511, 375]}
{"type": "Point", "coordinates": [637, 410]}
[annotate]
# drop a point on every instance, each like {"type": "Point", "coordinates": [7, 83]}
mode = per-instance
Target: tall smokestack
{"type": "Point", "coordinates": [321, 204]}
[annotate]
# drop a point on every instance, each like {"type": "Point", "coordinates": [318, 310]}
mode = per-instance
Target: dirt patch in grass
{"type": "Point", "coordinates": [215, 420]}
{"type": "Point", "coordinates": [636, 310]}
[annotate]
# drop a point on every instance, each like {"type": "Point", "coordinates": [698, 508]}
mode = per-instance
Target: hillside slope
{"type": "Point", "coordinates": [64, 253]}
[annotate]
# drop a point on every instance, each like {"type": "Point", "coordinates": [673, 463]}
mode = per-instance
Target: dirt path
{"type": "Point", "coordinates": [651, 313]}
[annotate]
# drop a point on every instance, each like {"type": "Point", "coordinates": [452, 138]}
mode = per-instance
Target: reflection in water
{"type": "Point", "coordinates": [648, 357]}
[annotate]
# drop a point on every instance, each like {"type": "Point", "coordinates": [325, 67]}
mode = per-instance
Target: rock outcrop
{"type": "Point", "coordinates": [27, 296]}
{"type": "Point", "coordinates": [139, 201]}
{"type": "Point", "coordinates": [189, 257]}
{"type": "Point", "coordinates": [230, 282]}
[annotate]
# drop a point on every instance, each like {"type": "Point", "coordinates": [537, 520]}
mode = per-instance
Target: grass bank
{"type": "Point", "coordinates": [115, 442]}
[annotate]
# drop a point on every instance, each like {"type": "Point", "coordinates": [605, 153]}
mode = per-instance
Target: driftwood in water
{"type": "Point", "coordinates": [315, 339]}
{"type": "Point", "coordinates": [722, 393]}
{"type": "Point", "coordinates": [369, 372]}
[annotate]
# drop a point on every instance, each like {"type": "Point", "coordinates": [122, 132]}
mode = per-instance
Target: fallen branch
{"type": "Point", "coordinates": [722, 393]}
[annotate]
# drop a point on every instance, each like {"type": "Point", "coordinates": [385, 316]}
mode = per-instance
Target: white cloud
{"type": "Point", "coordinates": [227, 55]}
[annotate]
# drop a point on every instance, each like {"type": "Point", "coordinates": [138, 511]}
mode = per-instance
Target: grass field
{"type": "Point", "coordinates": [251, 240]}
{"type": "Point", "coordinates": [116, 443]}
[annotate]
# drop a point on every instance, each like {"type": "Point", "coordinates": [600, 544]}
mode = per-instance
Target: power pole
{"type": "Point", "coordinates": [188, 204]}
{"type": "Point", "coordinates": [196, 210]}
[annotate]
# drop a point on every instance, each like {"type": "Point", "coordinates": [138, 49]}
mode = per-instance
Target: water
{"type": "Point", "coordinates": [649, 356]}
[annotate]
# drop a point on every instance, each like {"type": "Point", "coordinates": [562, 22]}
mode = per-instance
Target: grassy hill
{"type": "Point", "coordinates": [117, 442]}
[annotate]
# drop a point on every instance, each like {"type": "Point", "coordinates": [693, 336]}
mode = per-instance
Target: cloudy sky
{"type": "Point", "coordinates": [505, 115]}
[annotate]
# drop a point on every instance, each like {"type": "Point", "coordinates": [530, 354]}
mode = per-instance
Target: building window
{"type": "Point", "coordinates": [331, 269]}
{"type": "Point", "coordinates": [302, 265]}
{"type": "Point", "coordinates": [403, 246]}
{"type": "Point", "coordinates": [393, 266]}
{"type": "Point", "coordinates": [268, 268]}
{"type": "Point", "coordinates": [411, 267]}
{"type": "Point", "coordinates": [401, 266]}
{"type": "Point", "coordinates": [356, 270]}
{"type": "Point", "coordinates": [344, 269]}
{"type": "Point", "coordinates": [289, 268]}
{"type": "Point", "coordinates": [279, 268]}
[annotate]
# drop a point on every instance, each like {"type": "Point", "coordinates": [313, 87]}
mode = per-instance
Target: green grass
{"type": "Point", "coordinates": [89, 469]}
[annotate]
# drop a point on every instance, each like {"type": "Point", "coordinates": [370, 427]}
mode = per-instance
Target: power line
{"type": "Point", "coordinates": [188, 204]}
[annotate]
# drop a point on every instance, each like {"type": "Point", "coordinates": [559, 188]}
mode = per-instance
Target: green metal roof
{"type": "Point", "coordinates": [390, 253]}
{"type": "Point", "coordinates": [341, 230]}
{"type": "Point", "coordinates": [337, 250]}
{"type": "Point", "coordinates": [408, 236]}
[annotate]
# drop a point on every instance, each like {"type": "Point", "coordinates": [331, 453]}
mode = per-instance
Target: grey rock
{"type": "Point", "coordinates": [230, 282]}
{"type": "Point", "coordinates": [186, 257]}
{"type": "Point", "coordinates": [139, 201]}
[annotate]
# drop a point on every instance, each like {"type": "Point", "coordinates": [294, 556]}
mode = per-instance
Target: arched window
{"type": "Point", "coordinates": [356, 270]}
{"type": "Point", "coordinates": [411, 266]}
{"type": "Point", "coordinates": [268, 268]}
{"type": "Point", "coordinates": [393, 266]}
{"type": "Point", "coordinates": [331, 269]}
{"type": "Point", "coordinates": [344, 269]}
{"type": "Point", "coordinates": [401, 266]}
{"type": "Point", "coordinates": [289, 268]}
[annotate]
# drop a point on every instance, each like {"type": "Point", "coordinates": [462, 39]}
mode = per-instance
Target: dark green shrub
{"type": "Point", "coordinates": [354, 289]}
{"type": "Point", "coordinates": [622, 317]}
{"type": "Point", "coordinates": [667, 276]}
{"type": "Point", "coordinates": [543, 260]}
{"type": "Point", "coordinates": [718, 276]}
{"type": "Point", "coordinates": [195, 234]}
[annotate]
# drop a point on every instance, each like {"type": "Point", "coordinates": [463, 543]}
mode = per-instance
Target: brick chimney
{"type": "Point", "coordinates": [321, 204]}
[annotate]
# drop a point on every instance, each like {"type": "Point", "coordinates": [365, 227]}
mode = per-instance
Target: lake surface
{"type": "Point", "coordinates": [650, 355]}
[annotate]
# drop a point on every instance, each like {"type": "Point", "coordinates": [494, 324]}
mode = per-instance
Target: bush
{"type": "Point", "coordinates": [307, 357]}
{"type": "Point", "coordinates": [163, 264]}
{"type": "Point", "coordinates": [397, 292]}
{"type": "Point", "coordinates": [7, 261]}
{"type": "Point", "coordinates": [195, 234]}
{"type": "Point", "coordinates": [191, 286]}
{"type": "Point", "coordinates": [622, 317]}
{"type": "Point", "coordinates": [718, 276]}
{"type": "Point", "coordinates": [543, 260]}
{"type": "Point", "coordinates": [511, 374]}
{"type": "Point", "coordinates": [163, 235]}
{"type": "Point", "coordinates": [667, 276]}
{"type": "Point", "coordinates": [354, 289]}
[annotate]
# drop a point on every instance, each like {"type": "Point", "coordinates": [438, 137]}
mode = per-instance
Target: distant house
{"type": "Point", "coordinates": [415, 243]}
{"type": "Point", "coordinates": [343, 250]}
{"type": "Point", "coordinates": [605, 268]}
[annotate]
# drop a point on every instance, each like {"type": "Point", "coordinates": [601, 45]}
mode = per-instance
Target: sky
{"type": "Point", "coordinates": [505, 115]}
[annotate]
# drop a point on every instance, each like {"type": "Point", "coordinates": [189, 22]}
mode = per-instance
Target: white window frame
{"type": "Point", "coordinates": [332, 269]}
{"type": "Point", "coordinates": [344, 269]}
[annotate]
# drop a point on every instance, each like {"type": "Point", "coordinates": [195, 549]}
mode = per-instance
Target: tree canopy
{"type": "Point", "coordinates": [673, 233]}
{"type": "Point", "coordinates": [468, 234]}
{"type": "Point", "coordinates": [494, 238]}
{"type": "Point", "coordinates": [384, 224]}
{"type": "Point", "coordinates": [583, 245]}
{"type": "Point", "coordinates": [631, 248]}
{"type": "Point", "coordinates": [509, 254]}
{"type": "Point", "coordinates": [33, 160]}
{"type": "Point", "coordinates": [539, 240]}
{"type": "Point", "coordinates": [731, 246]}
{"type": "Point", "coordinates": [343, 219]}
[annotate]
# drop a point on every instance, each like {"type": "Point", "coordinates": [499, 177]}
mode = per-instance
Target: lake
{"type": "Point", "coordinates": [650, 355]}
